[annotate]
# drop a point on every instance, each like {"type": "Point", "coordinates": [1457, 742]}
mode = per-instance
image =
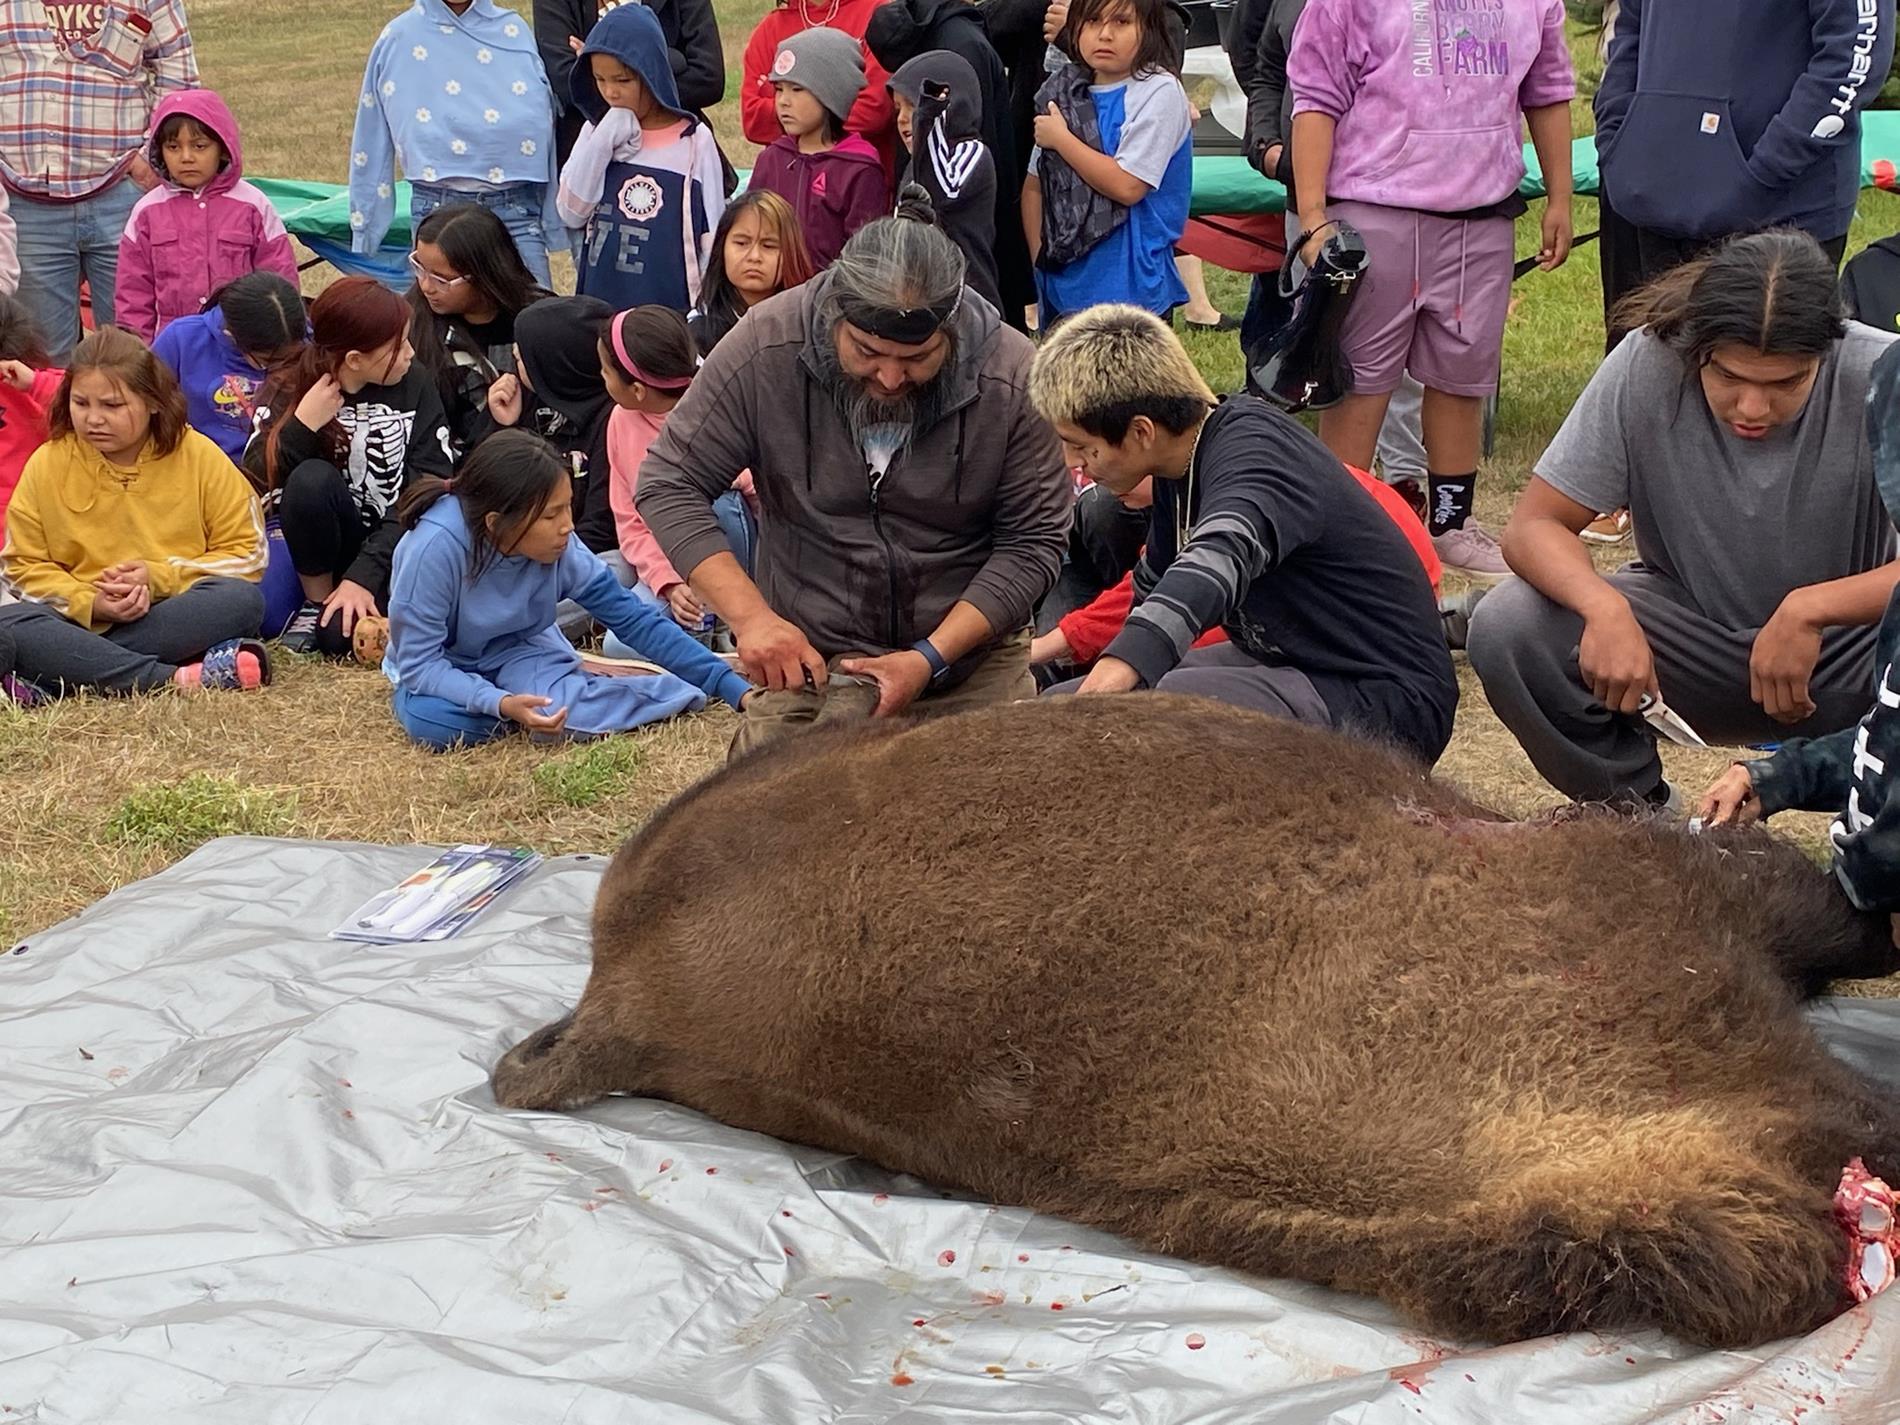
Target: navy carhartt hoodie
{"type": "Point", "coordinates": [1717, 118]}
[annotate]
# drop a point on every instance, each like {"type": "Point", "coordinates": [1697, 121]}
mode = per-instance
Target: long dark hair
{"type": "Point", "coordinates": [20, 338]}
{"type": "Point", "coordinates": [1775, 293]}
{"type": "Point", "coordinates": [263, 313]}
{"type": "Point", "coordinates": [719, 300]}
{"type": "Point", "coordinates": [512, 475]}
{"type": "Point", "coordinates": [355, 314]}
{"type": "Point", "coordinates": [655, 338]}
{"type": "Point", "coordinates": [479, 247]}
{"type": "Point", "coordinates": [1159, 51]}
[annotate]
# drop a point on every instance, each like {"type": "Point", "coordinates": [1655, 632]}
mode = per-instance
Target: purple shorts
{"type": "Point", "coordinates": [1432, 302]}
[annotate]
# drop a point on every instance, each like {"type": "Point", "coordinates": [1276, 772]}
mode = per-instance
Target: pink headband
{"type": "Point", "coordinates": [627, 363]}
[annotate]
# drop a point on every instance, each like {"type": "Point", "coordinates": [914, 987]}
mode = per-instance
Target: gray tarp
{"type": "Point", "coordinates": [249, 1174]}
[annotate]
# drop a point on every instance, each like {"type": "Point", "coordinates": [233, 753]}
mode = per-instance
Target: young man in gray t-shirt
{"type": "Point", "coordinates": [1733, 426]}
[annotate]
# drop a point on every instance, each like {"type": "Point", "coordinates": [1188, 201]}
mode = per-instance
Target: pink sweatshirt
{"type": "Point", "coordinates": [1429, 95]}
{"type": "Point", "coordinates": [629, 433]}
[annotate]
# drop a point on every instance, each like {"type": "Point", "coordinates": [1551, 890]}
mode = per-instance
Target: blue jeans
{"type": "Point", "coordinates": [518, 205]}
{"type": "Point", "coordinates": [59, 244]}
{"type": "Point", "coordinates": [741, 528]}
{"type": "Point", "coordinates": [439, 724]}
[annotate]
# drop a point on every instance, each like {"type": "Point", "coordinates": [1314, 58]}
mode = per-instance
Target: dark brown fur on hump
{"type": "Point", "coordinates": [1255, 994]}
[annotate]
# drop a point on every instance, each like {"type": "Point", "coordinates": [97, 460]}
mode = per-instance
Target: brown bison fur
{"type": "Point", "coordinates": [1258, 995]}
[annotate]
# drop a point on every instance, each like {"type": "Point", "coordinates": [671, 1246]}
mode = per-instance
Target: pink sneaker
{"type": "Point", "coordinates": [1471, 551]}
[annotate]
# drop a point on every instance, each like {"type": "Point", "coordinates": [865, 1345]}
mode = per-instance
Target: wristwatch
{"type": "Point", "coordinates": [939, 670]}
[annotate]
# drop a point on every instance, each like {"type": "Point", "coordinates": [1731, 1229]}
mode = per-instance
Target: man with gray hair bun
{"type": "Point", "coordinates": [913, 506]}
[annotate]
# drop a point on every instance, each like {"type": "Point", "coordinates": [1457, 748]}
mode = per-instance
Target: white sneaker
{"type": "Point", "coordinates": [1471, 551]}
{"type": "Point", "coordinates": [1612, 528]}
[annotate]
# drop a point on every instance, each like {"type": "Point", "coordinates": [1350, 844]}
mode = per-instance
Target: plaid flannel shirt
{"type": "Point", "coordinates": [78, 82]}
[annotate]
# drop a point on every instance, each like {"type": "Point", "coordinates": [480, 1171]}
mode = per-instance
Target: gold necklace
{"type": "Point", "coordinates": [1183, 520]}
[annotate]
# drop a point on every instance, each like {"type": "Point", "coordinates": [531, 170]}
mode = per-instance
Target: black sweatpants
{"type": "Point", "coordinates": [324, 528]}
{"type": "Point", "coordinates": [59, 656]}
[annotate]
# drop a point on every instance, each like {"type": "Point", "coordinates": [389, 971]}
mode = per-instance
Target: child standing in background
{"type": "Point", "coordinates": [201, 227]}
{"type": "Point", "coordinates": [648, 360]}
{"type": "Point", "coordinates": [135, 540]}
{"type": "Point", "coordinates": [457, 92]}
{"type": "Point", "coordinates": [757, 253]}
{"type": "Point", "coordinates": [941, 125]}
{"type": "Point", "coordinates": [1103, 212]}
{"type": "Point", "coordinates": [835, 181]}
{"type": "Point", "coordinates": [644, 179]}
{"type": "Point", "coordinates": [27, 389]}
{"type": "Point", "coordinates": [473, 645]}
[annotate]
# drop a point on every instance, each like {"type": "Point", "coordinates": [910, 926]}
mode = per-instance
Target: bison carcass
{"type": "Point", "coordinates": [1258, 995]}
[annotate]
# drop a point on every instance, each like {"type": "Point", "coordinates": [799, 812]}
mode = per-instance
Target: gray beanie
{"type": "Point", "coordinates": [828, 63]}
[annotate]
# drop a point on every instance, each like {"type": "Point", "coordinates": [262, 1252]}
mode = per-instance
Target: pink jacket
{"type": "Point", "coordinates": [180, 247]}
{"type": "Point", "coordinates": [629, 433]}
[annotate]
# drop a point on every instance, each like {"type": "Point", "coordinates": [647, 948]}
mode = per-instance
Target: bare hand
{"type": "Point", "coordinates": [574, 43]}
{"type": "Point", "coordinates": [1050, 647]}
{"type": "Point", "coordinates": [900, 677]}
{"type": "Point", "coordinates": [127, 606]}
{"type": "Point", "coordinates": [1616, 663]}
{"type": "Point", "coordinates": [775, 654]}
{"type": "Point", "coordinates": [1270, 159]}
{"type": "Point", "coordinates": [688, 612]}
{"type": "Point", "coordinates": [1051, 129]}
{"type": "Point", "coordinates": [1110, 675]}
{"type": "Point", "coordinates": [1731, 800]}
{"type": "Point", "coordinates": [141, 172]}
{"type": "Point", "coordinates": [504, 399]}
{"type": "Point", "coordinates": [1555, 246]}
{"type": "Point", "coordinates": [320, 403]}
{"type": "Point", "coordinates": [523, 708]}
{"type": "Point", "coordinates": [17, 374]}
{"type": "Point", "coordinates": [1780, 664]}
{"type": "Point", "coordinates": [132, 574]}
{"type": "Point", "coordinates": [1314, 239]}
{"type": "Point", "coordinates": [349, 601]}
{"type": "Point", "coordinates": [1053, 19]}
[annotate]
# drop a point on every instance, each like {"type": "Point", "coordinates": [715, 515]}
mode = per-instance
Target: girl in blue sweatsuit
{"type": "Point", "coordinates": [473, 647]}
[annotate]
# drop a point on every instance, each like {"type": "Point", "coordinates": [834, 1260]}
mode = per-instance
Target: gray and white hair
{"type": "Point", "coordinates": [894, 265]}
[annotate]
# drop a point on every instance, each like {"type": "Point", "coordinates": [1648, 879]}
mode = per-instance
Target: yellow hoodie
{"type": "Point", "coordinates": [188, 515]}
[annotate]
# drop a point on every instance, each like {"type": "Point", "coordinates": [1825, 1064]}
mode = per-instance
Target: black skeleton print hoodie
{"type": "Point", "coordinates": [384, 437]}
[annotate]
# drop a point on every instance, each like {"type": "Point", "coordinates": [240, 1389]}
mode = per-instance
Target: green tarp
{"type": "Point", "coordinates": [1221, 185]}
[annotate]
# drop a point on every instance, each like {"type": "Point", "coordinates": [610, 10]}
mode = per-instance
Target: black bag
{"type": "Point", "coordinates": [1871, 285]}
{"type": "Point", "coordinates": [1300, 366]}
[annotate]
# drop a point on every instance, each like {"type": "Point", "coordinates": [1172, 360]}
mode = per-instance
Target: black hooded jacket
{"type": "Point", "coordinates": [568, 404]}
{"type": "Point", "coordinates": [692, 45]}
{"type": "Point", "coordinates": [899, 32]}
{"type": "Point", "coordinates": [950, 162]}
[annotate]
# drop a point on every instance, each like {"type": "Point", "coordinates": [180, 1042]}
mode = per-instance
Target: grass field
{"type": "Point", "coordinates": [103, 792]}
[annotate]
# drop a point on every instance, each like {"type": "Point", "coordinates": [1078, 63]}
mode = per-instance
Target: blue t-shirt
{"type": "Point", "coordinates": [1145, 123]}
{"type": "Point", "coordinates": [220, 383]}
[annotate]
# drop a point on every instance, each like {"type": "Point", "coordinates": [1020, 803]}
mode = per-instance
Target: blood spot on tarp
{"type": "Point", "coordinates": [921, 1321]}
{"type": "Point", "coordinates": [1412, 1386]}
{"type": "Point", "coordinates": [607, 1189]}
{"type": "Point", "coordinates": [900, 1378]}
{"type": "Point", "coordinates": [666, 1165]}
{"type": "Point", "coordinates": [946, 1258]}
{"type": "Point", "coordinates": [1470, 1377]}
{"type": "Point", "coordinates": [84, 1055]}
{"type": "Point", "coordinates": [1629, 1360]}
{"type": "Point", "coordinates": [880, 1199]}
{"type": "Point", "coordinates": [349, 1113]}
{"type": "Point", "coordinates": [1058, 1306]}
{"type": "Point", "coordinates": [553, 1157]}
{"type": "Point", "coordinates": [822, 1296]}
{"type": "Point", "coordinates": [790, 1253]}
{"type": "Point", "coordinates": [346, 1083]}
{"type": "Point", "coordinates": [785, 1213]}
{"type": "Point", "coordinates": [1196, 1341]}
{"type": "Point", "coordinates": [712, 1172]}
{"type": "Point", "coordinates": [1022, 1256]}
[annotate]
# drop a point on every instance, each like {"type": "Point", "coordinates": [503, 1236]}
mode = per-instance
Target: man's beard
{"type": "Point", "coordinates": [861, 410]}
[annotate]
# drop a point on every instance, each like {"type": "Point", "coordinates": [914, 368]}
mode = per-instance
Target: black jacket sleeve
{"type": "Point", "coordinates": [295, 445]}
{"type": "Point", "coordinates": [698, 57]}
{"type": "Point", "coordinates": [428, 453]}
{"type": "Point", "coordinates": [554, 21]}
{"type": "Point", "coordinates": [1266, 99]}
{"type": "Point", "coordinates": [1243, 40]}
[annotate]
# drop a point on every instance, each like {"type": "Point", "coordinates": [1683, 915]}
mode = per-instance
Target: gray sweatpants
{"type": "Point", "coordinates": [1523, 648]}
{"type": "Point", "coordinates": [57, 655]}
{"type": "Point", "coordinates": [1222, 672]}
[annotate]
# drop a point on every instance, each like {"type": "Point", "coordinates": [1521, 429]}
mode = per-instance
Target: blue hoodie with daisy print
{"type": "Point", "coordinates": [459, 100]}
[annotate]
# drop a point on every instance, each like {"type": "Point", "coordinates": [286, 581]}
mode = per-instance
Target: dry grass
{"type": "Point", "coordinates": [103, 792]}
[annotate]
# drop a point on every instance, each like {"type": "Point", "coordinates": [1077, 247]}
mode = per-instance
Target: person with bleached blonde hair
{"type": "Point", "coordinates": [1256, 528]}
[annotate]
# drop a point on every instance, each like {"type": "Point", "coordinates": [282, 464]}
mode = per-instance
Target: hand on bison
{"type": "Point", "coordinates": [1110, 675]}
{"type": "Point", "coordinates": [775, 654]}
{"type": "Point", "coordinates": [1615, 660]}
{"type": "Point", "coordinates": [1731, 801]}
{"type": "Point", "coordinates": [900, 677]}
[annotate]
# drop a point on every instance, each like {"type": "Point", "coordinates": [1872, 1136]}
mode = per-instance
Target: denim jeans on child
{"type": "Point", "coordinates": [59, 244]}
{"type": "Point", "coordinates": [518, 205]}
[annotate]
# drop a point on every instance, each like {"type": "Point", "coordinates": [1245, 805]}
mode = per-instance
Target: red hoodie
{"type": "Point", "coordinates": [22, 431]}
{"type": "Point", "coordinates": [1093, 627]}
{"type": "Point", "coordinates": [873, 115]}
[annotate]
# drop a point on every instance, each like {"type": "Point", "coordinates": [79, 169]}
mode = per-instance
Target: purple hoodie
{"type": "Point", "coordinates": [834, 193]}
{"type": "Point", "coordinates": [179, 247]}
{"type": "Point", "coordinates": [1429, 94]}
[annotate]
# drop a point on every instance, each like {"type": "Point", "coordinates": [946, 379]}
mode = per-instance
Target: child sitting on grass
{"type": "Point", "coordinates": [473, 646]}
{"type": "Point", "coordinates": [757, 252]}
{"type": "Point", "coordinates": [834, 181]}
{"type": "Point", "coordinates": [134, 539]}
{"type": "Point", "coordinates": [203, 226]}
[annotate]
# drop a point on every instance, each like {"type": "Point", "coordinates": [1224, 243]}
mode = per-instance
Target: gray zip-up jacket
{"type": "Point", "coordinates": [976, 508]}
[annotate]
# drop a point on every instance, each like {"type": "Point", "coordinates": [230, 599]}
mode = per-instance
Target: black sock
{"type": "Point", "coordinates": [1450, 501]}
